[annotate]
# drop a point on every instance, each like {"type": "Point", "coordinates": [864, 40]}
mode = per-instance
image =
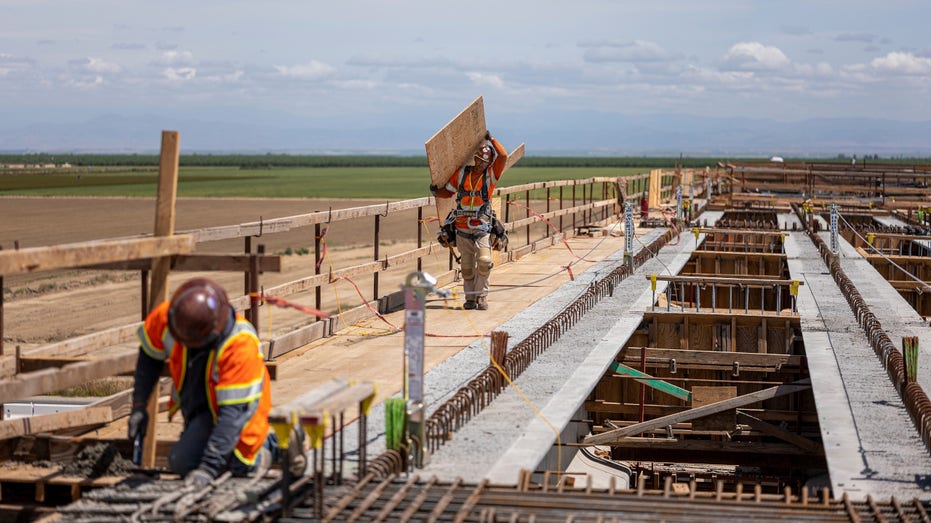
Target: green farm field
{"type": "Point", "coordinates": [391, 183]}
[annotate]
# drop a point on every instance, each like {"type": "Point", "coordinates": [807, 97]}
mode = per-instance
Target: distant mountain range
{"type": "Point", "coordinates": [566, 133]}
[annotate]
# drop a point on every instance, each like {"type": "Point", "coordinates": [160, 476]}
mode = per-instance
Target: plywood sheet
{"type": "Point", "coordinates": [452, 146]}
{"type": "Point", "coordinates": [726, 420]}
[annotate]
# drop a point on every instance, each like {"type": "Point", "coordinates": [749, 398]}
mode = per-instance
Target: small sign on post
{"type": "Point", "coordinates": [416, 288]}
{"type": "Point", "coordinates": [834, 228]}
{"type": "Point", "coordinates": [679, 203]}
{"type": "Point", "coordinates": [628, 234]}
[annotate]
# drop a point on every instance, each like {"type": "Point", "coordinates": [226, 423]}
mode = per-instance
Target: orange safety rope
{"type": "Point", "coordinates": [285, 304]}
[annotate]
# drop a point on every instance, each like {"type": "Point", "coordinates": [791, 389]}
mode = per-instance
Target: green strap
{"type": "Point", "coordinates": [653, 383]}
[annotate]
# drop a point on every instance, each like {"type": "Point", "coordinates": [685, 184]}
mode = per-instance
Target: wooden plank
{"type": "Point", "coordinates": [653, 383]}
{"type": "Point", "coordinates": [310, 282]}
{"type": "Point", "coordinates": [79, 254]}
{"type": "Point", "coordinates": [633, 410]}
{"type": "Point", "coordinates": [695, 413]}
{"type": "Point", "coordinates": [656, 188]}
{"type": "Point", "coordinates": [452, 146]}
{"type": "Point", "coordinates": [199, 262]}
{"type": "Point", "coordinates": [701, 446]}
{"type": "Point", "coordinates": [704, 395]}
{"type": "Point", "coordinates": [32, 364]}
{"type": "Point", "coordinates": [80, 346]}
{"type": "Point", "coordinates": [339, 401]}
{"type": "Point", "coordinates": [48, 380]}
{"type": "Point", "coordinates": [723, 280]}
{"type": "Point", "coordinates": [51, 422]}
{"type": "Point", "coordinates": [158, 288]}
{"type": "Point", "coordinates": [296, 339]}
{"type": "Point", "coordinates": [772, 430]}
{"type": "Point", "coordinates": [302, 220]}
{"type": "Point", "coordinates": [748, 361]}
{"type": "Point", "coordinates": [514, 157]}
{"type": "Point", "coordinates": [307, 401]}
{"type": "Point", "coordinates": [120, 404]}
{"type": "Point", "coordinates": [742, 232]}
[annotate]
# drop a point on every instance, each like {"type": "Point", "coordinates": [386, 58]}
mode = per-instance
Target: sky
{"type": "Point", "coordinates": [596, 75]}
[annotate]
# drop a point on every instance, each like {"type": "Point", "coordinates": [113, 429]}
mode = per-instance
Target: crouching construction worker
{"type": "Point", "coordinates": [472, 185]}
{"type": "Point", "coordinates": [220, 383]}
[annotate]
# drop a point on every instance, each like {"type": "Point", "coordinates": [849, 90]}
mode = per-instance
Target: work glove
{"type": "Point", "coordinates": [198, 478]}
{"type": "Point", "coordinates": [434, 190]}
{"type": "Point", "coordinates": [138, 423]}
{"type": "Point", "coordinates": [488, 135]}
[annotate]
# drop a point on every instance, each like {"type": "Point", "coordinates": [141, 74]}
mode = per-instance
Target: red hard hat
{"type": "Point", "coordinates": [198, 313]}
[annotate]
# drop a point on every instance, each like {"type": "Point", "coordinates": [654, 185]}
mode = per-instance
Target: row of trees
{"type": "Point", "coordinates": [260, 161]}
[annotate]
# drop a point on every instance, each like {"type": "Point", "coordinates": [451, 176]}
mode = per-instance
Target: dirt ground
{"type": "Point", "coordinates": [46, 307]}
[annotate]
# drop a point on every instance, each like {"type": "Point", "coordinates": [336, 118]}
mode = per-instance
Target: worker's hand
{"type": "Point", "coordinates": [198, 478]}
{"type": "Point", "coordinates": [434, 190]}
{"type": "Point", "coordinates": [138, 422]}
{"type": "Point", "coordinates": [488, 135]}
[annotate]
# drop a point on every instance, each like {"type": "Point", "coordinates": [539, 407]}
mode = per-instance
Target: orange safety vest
{"type": "Point", "coordinates": [236, 374]}
{"type": "Point", "coordinates": [472, 188]}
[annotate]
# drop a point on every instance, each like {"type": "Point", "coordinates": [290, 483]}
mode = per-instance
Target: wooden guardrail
{"type": "Point", "coordinates": [597, 203]}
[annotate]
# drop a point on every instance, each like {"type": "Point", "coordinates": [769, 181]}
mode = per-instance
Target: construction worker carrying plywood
{"type": "Point", "coordinates": [473, 218]}
{"type": "Point", "coordinates": [220, 384]}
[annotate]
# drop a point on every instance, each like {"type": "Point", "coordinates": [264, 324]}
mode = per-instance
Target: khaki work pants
{"type": "Point", "coordinates": [474, 283]}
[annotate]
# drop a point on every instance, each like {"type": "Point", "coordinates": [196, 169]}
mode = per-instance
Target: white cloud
{"type": "Point", "coordinates": [754, 56]}
{"type": "Point", "coordinates": [902, 63]}
{"type": "Point", "coordinates": [369, 60]}
{"type": "Point", "coordinates": [99, 65]}
{"type": "Point", "coordinates": [821, 69]}
{"type": "Point", "coordinates": [229, 78]}
{"type": "Point", "coordinates": [13, 61]}
{"type": "Point", "coordinates": [490, 80]}
{"type": "Point", "coordinates": [86, 83]}
{"type": "Point", "coordinates": [312, 70]}
{"type": "Point", "coordinates": [362, 85]}
{"type": "Point", "coordinates": [636, 51]}
{"type": "Point", "coordinates": [175, 58]}
{"type": "Point", "coordinates": [179, 74]}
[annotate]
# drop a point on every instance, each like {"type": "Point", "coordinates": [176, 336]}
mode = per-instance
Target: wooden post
{"type": "Point", "coordinates": [499, 347]}
{"type": "Point", "coordinates": [254, 287]}
{"type": "Point", "coordinates": [1, 324]}
{"type": "Point", "coordinates": [164, 226]}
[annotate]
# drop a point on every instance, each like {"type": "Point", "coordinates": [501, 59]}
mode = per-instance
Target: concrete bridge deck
{"type": "Point", "coordinates": [870, 443]}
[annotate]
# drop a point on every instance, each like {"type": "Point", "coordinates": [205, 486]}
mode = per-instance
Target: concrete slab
{"type": "Point", "coordinates": [891, 221]}
{"type": "Point", "coordinates": [896, 315]}
{"type": "Point", "coordinates": [510, 435]}
{"type": "Point", "coordinates": [871, 445]}
{"type": "Point", "coordinates": [787, 220]}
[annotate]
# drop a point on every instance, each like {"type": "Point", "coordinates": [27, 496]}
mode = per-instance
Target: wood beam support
{"type": "Point", "coordinates": [608, 438]}
{"type": "Point", "coordinates": [57, 421]}
{"type": "Point", "coordinates": [158, 290]}
{"type": "Point", "coordinates": [70, 255]}
{"type": "Point", "coordinates": [749, 361]}
{"type": "Point", "coordinates": [49, 380]}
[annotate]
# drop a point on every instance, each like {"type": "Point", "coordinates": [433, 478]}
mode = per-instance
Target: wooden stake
{"type": "Point", "coordinates": [499, 346]}
{"type": "Point", "coordinates": [164, 226]}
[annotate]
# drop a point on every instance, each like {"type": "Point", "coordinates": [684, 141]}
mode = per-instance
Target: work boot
{"type": "Point", "coordinates": [469, 304]}
{"type": "Point", "coordinates": [297, 458]}
{"type": "Point", "coordinates": [482, 304]}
